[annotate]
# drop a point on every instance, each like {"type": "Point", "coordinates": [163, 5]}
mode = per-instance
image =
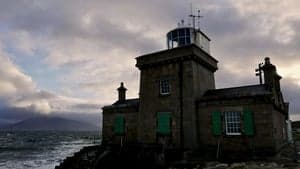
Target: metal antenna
{"type": "Point", "coordinates": [189, 20]}
{"type": "Point", "coordinates": [192, 16]}
{"type": "Point", "coordinates": [194, 19]}
{"type": "Point", "coordinates": [258, 72]}
{"type": "Point", "coordinates": [198, 17]}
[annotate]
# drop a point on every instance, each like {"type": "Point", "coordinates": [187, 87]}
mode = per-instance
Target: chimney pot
{"type": "Point", "coordinates": [122, 92]}
{"type": "Point", "coordinates": [267, 61]}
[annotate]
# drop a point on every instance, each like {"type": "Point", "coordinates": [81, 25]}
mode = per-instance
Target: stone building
{"type": "Point", "coordinates": [180, 107]}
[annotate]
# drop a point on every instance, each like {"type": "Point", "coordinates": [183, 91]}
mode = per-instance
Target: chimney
{"type": "Point", "coordinates": [272, 80]}
{"type": "Point", "coordinates": [270, 74]}
{"type": "Point", "coordinates": [122, 92]}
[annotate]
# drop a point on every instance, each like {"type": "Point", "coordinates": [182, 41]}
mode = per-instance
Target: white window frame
{"type": "Point", "coordinates": [233, 123]}
{"type": "Point", "coordinates": [164, 86]}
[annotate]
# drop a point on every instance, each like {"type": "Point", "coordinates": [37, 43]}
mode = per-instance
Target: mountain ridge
{"type": "Point", "coordinates": [52, 123]}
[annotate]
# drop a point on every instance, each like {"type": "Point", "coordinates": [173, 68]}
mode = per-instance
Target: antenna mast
{"type": "Point", "coordinates": [194, 18]}
{"type": "Point", "coordinates": [198, 17]}
{"type": "Point", "coordinates": [258, 72]}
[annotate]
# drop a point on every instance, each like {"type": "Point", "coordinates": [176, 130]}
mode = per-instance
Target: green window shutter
{"type": "Point", "coordinates": [163, 123]}
{"type": "Point", "coordinates": [216, 123]}
{"type": "Point", "coordinates": [119, 126]}
{"type": "Point", "coordinates": [248, 123]}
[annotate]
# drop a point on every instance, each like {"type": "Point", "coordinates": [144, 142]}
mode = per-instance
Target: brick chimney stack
{"type": "Point", "coordinates": [122, 92]}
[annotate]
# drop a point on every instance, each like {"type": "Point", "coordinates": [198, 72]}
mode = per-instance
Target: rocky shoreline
{"type": "Point", "coordinates": [251, 165]}
{"type": "Point", "coordinates": [99, 157]}
{"type": "Point", "coordinates": [84, 159]}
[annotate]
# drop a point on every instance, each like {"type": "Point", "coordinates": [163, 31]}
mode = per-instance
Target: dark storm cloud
{"type": "Point", "coordinates": [249, 45]}
{"type": "Point", "coordinates": [239, 38]}
{"type": "Point", "coordinates": [225, 22]}
{"type": "Point", "coordinates": [239, 46]}
{"type": "Point", "coordinates": [84, 35]}
{"type": "Point", "coordinates": [62, 20]}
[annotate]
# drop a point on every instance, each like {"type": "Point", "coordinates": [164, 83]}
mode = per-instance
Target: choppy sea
{"type": "Point", "coordinates": [41, 149]}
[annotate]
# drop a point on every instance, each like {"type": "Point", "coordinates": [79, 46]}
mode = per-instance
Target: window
{"type": "Point", "coordinates": [233, 123]}
{"type": "Point", "coordinates": [164, 87]}
{"type": "Point", "coordinates": [179, 37]}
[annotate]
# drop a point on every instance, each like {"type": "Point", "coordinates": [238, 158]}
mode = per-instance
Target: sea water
{"type": "Point", "coordinates": [41, 149]}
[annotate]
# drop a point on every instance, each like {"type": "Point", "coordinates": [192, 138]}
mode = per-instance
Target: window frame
{"type": "Point", "coordinates": [233, 123]}
{"type": "Point", "coordinates": [179, 35]}
{"type": "Point", "coordinates": [164, 87]}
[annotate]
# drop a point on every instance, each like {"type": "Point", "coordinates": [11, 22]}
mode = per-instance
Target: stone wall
{"type": "Point", "coordinates": [266, 120]}
{"type": "Point", "coordinates": [190, 72]}
{"type": "Point", "coordinates": [280, 130]}
{"type": "Point", "coordinates": [151, 102]}
{"type": "Point", "coordinates": [196, 80]}
{"type": "Point", "coordinates": [194, 85]}
{"type": "Point", "coordinates": [130, 116]}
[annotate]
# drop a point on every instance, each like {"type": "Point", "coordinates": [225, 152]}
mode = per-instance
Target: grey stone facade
{"type": "Point", "coordinates": [191, 99]}
{"type": "Point", "coordinates": [269, 121]}
{"type": "Point", "coordinates": [127, 109]}
{"type": "Point", "coordinates": [185, 68]}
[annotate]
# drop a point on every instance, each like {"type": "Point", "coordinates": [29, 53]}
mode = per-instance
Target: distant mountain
{"type": "Point", "coordinates": [53, 123]}
{"type": "Point", "coordinates": [13, 115]}
{"type": "Point", "coordinates": [4, 123]}
{"type": "Point", "coordinates": [3, 126]}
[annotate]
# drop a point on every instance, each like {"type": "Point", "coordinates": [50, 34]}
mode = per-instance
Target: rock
{"type": "Point", "coordinates": [222, 165]}
{"type": "Point", "coordinates": [238, 166]}
{"type": "Point", "coordinates": [215, 165]}
{"type": "Point", "coordinates": [211, 164]}
{"type": "Point", "coordinates": [273, 164]}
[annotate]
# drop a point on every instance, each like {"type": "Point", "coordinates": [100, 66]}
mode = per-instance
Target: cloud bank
{"type": "Point", "coordinates": [70, 56]}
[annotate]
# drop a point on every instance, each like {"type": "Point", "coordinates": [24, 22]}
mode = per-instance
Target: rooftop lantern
{"type": "Point", "coordinates": [186, 34]}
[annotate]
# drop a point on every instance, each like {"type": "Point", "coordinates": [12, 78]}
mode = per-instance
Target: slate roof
{"type": "Point", "coordinates": [236, 92]}
{"type": "Point", "coordinates": [126, 103]}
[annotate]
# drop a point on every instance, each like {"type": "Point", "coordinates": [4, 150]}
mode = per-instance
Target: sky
{"type": "Point", "coordinates": [68, 57]}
